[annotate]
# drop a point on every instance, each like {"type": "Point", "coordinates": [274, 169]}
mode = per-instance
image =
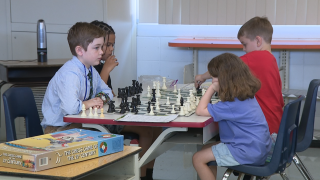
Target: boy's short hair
{"type": "Point", "coordinates": [82, 34]}
{"type": "Point", "coordinates": [234, 76]}
{"type": "Point", "coordinates": [257, 26]}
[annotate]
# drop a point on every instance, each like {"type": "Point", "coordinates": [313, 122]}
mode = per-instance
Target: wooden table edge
{"type": "Point", "coordinates": [28, 174]}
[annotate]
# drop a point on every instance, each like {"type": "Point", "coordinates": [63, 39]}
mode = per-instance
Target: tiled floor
{"type": "Point", "coordinates": [176, 164]}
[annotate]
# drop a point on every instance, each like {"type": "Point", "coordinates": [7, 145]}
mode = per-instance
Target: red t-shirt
{"type": "Point", "coordinates": [264, 66]}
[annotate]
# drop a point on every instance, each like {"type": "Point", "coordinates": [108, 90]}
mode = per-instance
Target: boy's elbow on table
{"type": "Point", "coordinates": [71, 109]}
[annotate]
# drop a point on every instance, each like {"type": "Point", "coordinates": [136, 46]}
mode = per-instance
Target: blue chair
{"type": "Point", "coordinates": [19, 102]}
{"type": "Point", "coordinates": [306, 126]}
{"type": "Point", "coordinates": [284, 149]}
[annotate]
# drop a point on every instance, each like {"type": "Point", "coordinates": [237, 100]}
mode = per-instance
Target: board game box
{"type": "Point", "coordinates": [58, 149]}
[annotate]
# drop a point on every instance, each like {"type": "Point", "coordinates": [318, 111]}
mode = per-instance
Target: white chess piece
{"type": "Point", "coordinates": [101, 111]}
{"type": "Point", "coordinates": [158, 94]}
{"type": "Point", "coordinates": [194, 90]}
{"type": "Point", "coordinates": [181, 113]}
{"type": "Point", "coordinates": [189, 107]}
{"type": "Point", "coordinates": [148, 95]}
{"type": "Point", "coordinates": [173, 111]}
{"type": "Point", "coordinates": [178, 101]}
{"type": "Point", "coordinates": [90, 112]}
{"type": "Point", "coordinates": [164, 87]}
{"type": "Point", "coordinates": [175, 88]}
{"type": "Point", "coordinates": [154, 84]}
{"type": "Point", "coordinates": [151, 111]}
{"type": "Point", "coordinates": [168, 102]}
{"type": "Point", "coordinates": [186, 108]}
{"type": "Point", "coordinates": [203, 91]}
{"type": "Point", "coordinates": [148, 88]}
{"type": "Point", "coordinates": [157, 100]}
{"type": "Point", "coordinates": [95, 112]}
{"type": "Point", "coordinates": [157, 106]}
{"type": "Point", "coordinates": [83, 111]}
{"type": "Point", "coordinates": [197, 101]}
{"type": "Point", "coordinates": [192, 105]}
{"type": "Point", "coordinates": [179, 94]}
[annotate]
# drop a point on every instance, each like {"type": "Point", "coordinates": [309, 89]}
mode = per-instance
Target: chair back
{"type": "Point", "coordinates": [306, 126]}
{"type": "Point", "coordinates": [20, 102]}
{"type": "Point", "coordinates": [286, 142]}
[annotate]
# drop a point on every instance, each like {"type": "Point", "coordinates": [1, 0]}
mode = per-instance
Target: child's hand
{"type": "Point", "coordinates": [215, 84]}
{"type": "Point", "coordinates": [111, 62]}
{"type": "Point", "coordinates": [94, 102]}
{"type": "Point", "coordinates": [198, 80]}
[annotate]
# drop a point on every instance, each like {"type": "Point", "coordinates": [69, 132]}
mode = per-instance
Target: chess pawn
{"type": "Point", "coordinates": [179, 94]}
{"type": "Point", "coordinates": [175, 88]}
{"type": "Point", "coordinates": [192, 106]}
{"type": "Point", "coordinates": [101, 113]}
{"type": "Point", "coordinates": [154, 84]}
{"type": "Point", "coordinates": [173, 111]}
{"type": "Point", "coordinates": [157, 100]}
{"type": "Point", "coordinates": [95, 112]}
{"type": "Point", "coordinates": [189, 107]}
{"type": "Point", "coordinates": [151, 111]}
{"type": "Point", "coordinates": [90, 112]}
{"type": "Point", "coordinates": [83, 111]}
{"type": "Point", "coordinates": [181, 113]}
{"type": "Point", "coordinates": [186, 108]}
{"type": "Point", "coordinates": [178, 101]}
{"type": "Point", "coordinates": [148, 95]}
{"type": "Point", "coordinates": [158, 94]}
{"type": "Point", "coordinates": [168, 102]}
{"type": "Point", "coordinates": [197, 101]}
{"type": "Point", "coordinates": [157, 106]}
{"type": "Point", "coordinates": [164, 87]}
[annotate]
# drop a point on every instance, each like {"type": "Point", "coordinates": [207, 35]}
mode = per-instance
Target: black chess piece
{"type": "Point", "coordinates": [148, 108]}
{"type": "Point", "coordinates": [110, 107]}
{"type": "Point", "coordinates": [119, 92]}
{"type": "Point", "coordinates": [113, 107]}
{"type": "Point", "coordinates": [122, 101]}
{"type": "Point", "coordinates": [138, 100]}
{"type": "Point", "coordinates": [134, 105]}
{"type": "Point", "coordinates": [137, 87]}
{"type": "Point", "coordinates": [133, 102]}
{"type": "Point", "coordinates": [141, 88]}
{"type": "Point", "coordinates": [127, 107]}
{"type": "Point", "coordinates": [153, 95]}
{"type": "Point", "coordinates": [123, 109]}
{"type": "Point", "coordinates": [199, 91]}
{"type": "Point", "coordinates": [181, 101]}
{"type": "Point", "coordinates": [133, 88]}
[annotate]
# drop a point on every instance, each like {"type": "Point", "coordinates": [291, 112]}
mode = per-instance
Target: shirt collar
{"type": "Point", "coordinates": [79, 64]}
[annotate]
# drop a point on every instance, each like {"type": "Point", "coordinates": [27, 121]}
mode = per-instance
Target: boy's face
{"type": "Point", "coordinates": [108, 46]}
{"type": "Point", "coordinates": [249, 45]}
{"type": "Point", "coordinates": [94, 52]}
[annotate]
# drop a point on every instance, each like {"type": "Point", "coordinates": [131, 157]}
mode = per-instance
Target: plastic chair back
{"type": "Point", "coordinates": [306, 126]}
{"type": "Point", "coordinates": [19, 102]}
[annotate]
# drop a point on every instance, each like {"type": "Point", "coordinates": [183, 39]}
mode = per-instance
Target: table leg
{"type": "Point", "coordinates": [158, 147]}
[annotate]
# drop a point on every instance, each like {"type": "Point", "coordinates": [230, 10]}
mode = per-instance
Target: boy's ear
{"type": "Point", "coordinates": [79, 50]}
{"type": "Point", "coordinates": [259, 41]}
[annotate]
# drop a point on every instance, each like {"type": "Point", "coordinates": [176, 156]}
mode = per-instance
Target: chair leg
{"type": "Point", "coordinates": [303, 170]}
{"type": "Point", "coordinates": [226, 175]}
{"type": "Point", "coordinates": [284, 176]}
{"type": "Point", "coordinates": [241, 176]}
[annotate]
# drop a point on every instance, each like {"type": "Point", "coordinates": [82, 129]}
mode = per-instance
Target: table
{"type": "Point", "coordinates": [120, 165]}
{"type": "Point", "coordinates": [282, 45]}
{"type": "Point", "coordinates": [183, 130]}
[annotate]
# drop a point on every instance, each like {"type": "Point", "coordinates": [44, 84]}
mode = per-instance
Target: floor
{"type": "Point", "coordinates": [176, 164]}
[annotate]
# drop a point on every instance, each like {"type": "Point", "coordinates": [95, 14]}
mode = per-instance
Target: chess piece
{"type": "Point", "coordinates": [119, 93]}
{"type": "Point", "coordinates": [153, 95]}
{"type": "Point", "coordinates": [141, 88]}
{"type": "Point", "coordinates": [175, 88]}
{"type": "Point", "coordinates": [179, 94]}
{"type": "Point", "coordinates": [95, 112]}
{"type": "Point", "coordinates": [148, 108]}
{"type": "Point", "coordinates": [90, 112]}
{"type": "Point", "coordinates": [192, 106]}
{"type": "Point", "coordinates": [189, 107]}
{"type": "Point", "coordinates": [148, 95]}
{"type": "Point", "coordinates": [157, 106]}
{"type": "Point", "coordinates": [127, 107]}
{"type": "Point", "coordinates": [181, 113]}
{"type": "Point", "coordinates": [181, 101]}
{"type": "Point", "coordinates": [101, 113]}
{"type": "Point", "coordinates": [186, 108]}
{"type": "Point", "coordinates": [197, 101]}
{"type": "Point", "coordinates": [123, 109]}
{"type": "Point", "coordinates": [194, 90]}
{"type": "Point", "coordinates": [138, 100]}
{"type": "Point", "coordinates": [178, 101]}
{"type": "Point", "coordinates": [83, 111]}
{"type": "Point", "coordinates": [164, 87]}
{"type": "Point", "coordinates": [154, 85]}
{"type": "Point", "coordinates": [173, 111]}
{"type": "Point", "coordinates": [168, 102]}
{"type": "Point", "coordinates": [157, 100]}
{"type": "Point", "coordinates": [151, 111]}
{"type": "Point", "coordinates": [203, 91]}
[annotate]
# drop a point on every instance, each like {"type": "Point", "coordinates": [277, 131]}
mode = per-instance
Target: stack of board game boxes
{"type": "Point", "coordinates": [58, 149]}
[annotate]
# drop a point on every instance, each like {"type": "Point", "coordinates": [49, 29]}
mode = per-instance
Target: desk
{"type": "Point", "coordinates": [282, 45]}
{"type": "Point", "coordinates": [121, 165]}
{"type": "Point", "coordinates": [179, 131]}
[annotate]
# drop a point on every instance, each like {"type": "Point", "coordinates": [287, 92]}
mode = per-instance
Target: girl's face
{"type": "Point", "coordinates": [108, 47]}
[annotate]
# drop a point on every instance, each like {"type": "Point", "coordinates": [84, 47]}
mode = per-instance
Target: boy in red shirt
{"type": "Point", "coordinates": [255, 36]}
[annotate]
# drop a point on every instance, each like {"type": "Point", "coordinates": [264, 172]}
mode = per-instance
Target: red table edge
{"type": "Point", "coordinates": [112, 122]}
{"type": "Point", "coordinates": [196, 44]}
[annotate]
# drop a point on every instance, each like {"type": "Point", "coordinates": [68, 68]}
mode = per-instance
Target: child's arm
{"type": "Point", "coordinates": [202, 109]}
{"type": "Point", "coordinates": [201, 78]}
{"type": "Point", "coordinates": [94, 102]}
{"type": "Point", "coordinates": [103, 87]}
